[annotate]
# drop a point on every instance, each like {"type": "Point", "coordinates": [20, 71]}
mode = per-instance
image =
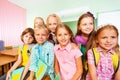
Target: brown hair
{"type": "Point", "coordinates": [66, 27]}
{"type": "Point", "coordinates": [28, 30]}
{"type": "Point", "coordinates": [88, 14]}
{"type": "Point", "coordinates": [92, 34]}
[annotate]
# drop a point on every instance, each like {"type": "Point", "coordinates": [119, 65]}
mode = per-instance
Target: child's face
{"type": "Point", "coordinates": [38, 22]}
{"type": "Point", "coordinates": [86, 25]}
{"type": "Point", "coordinates": [107, 39]}
{"type": "Point", "coordinates": [52, 24]}
{"type": "Point", "coordinates": [27, 38]}
{"type": "Point", "coordinates": [63, 37]}
{"type": "Point", "coordinates": [41, 35]}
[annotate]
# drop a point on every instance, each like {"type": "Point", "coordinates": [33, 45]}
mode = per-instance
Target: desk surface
{"type": "Point", "coordinates": [5, 59]}
{"type": "Point", "coordinates": [11, 52]}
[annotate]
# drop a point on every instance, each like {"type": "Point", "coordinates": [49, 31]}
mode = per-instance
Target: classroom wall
{"type": "Point", "coordinates": [12, 22]}
{"type": "Point", "coordinates": [72, 25]}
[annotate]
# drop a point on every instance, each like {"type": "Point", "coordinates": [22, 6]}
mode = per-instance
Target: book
{"type": "Point", "coordinates": [16, 74]}
{"type": "Point", "coordinates": [42, 67]}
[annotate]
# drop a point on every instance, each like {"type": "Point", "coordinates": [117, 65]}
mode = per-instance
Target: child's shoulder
{"type": "Point", "coordinates": [48, 43]}
{"type": "Point", "coordinates": [20, 47]}
{"type": "Point", "coordinates": [77, 36]}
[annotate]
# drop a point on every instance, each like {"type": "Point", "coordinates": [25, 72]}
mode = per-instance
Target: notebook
{"type": "Point", "coordinates": [42, 67]}
{"type": "Point", "coordinates": [16, 74]}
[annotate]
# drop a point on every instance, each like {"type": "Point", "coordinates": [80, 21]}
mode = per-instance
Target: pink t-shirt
{"type": "Point", "coordinates": [105, 68]}
{"type": "Point", "coordinates": [66, 58]}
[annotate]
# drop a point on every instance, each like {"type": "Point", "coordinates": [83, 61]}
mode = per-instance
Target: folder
{"type": "Point", "coordinates": [17, 74]}
{"type": "Point", "coordinates": [42, 67]}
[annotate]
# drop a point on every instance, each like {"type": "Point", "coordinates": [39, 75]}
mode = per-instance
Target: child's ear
{"type": "Point", "coordinates": [96, 41]}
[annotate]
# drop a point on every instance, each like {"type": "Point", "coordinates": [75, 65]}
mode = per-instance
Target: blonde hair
{"type": "Point", "coordinates": [107, 26]}
{"type": "Point", "coordinates": [67, 28]}
{"type": "Point", "coordinates": [42, 27]}
{"type": "Point", "coordinates": [40, 18]}
{"type": "Point", "coordinates": [55, 16]}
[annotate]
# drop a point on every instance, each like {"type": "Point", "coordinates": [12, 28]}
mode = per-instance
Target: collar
{"type": "Point", "coordinates": [52, 33]}
{"type": "Point", "coordinates": [67, 48]}
{"type": "Point", "coordinates": [110, 51]}
{"type": "Point", "coordinates": [37, 45]}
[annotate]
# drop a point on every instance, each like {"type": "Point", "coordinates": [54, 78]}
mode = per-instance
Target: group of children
{"type": "Point", "coordinates": [66, 56]}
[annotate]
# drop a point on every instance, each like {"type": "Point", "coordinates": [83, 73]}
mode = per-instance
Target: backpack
{"type": "Point", "coordinates": [115, 60]}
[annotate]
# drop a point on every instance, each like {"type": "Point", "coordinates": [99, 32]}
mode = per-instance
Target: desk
{"type": "Point", "coordinates": [11, 52]}
{"type": "Point", "coordinates": [5, 59]}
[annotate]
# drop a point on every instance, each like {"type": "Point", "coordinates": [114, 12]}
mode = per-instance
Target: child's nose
{"type": "Point", "coordinates": [63, 37]}
{"type": "Point", "coordinates": [108, 39]}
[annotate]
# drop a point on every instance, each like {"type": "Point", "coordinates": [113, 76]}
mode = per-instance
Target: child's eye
{"type": "Point", "coordinates": [44, 34]}
{"type": "Point", "coordinates": [66, 34]}
{"type": "Point", "coordinates": [59, 34]}
{"type": "Point", "coordinates": [31, 37]}
{"type": "Point", "coordinates": [54, 23]}
{"type": "Point", "coordinates": [37, 34]}
{"type": "Point", "coordinates": [104, 37]}
{"type": "Point", "coordinates": [113, 37]}
{"type": "Point", "coordinates": [49, 24]}
{"type": "Point", "coordinates": [91, 23]}
{"type": "Point", "coordinates": [26, 35]}
{"type": "Point", "coordinates": [84, 24]}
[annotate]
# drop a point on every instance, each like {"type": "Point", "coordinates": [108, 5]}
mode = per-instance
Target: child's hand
{"type": "Point", "coordinates": [8, 75]}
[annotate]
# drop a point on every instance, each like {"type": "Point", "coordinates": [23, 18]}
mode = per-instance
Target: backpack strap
{"type": "Point", "coordinates": [96, 56]}
{"type": "Point", "coordinates": [28, 50]}
{"type": "Point", "coordinates": [30, 46]}
{"type": "Point", "coordinates": [115, 60]}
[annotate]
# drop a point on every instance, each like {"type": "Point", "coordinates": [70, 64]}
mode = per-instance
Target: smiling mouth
{"type": "Point", "coordinates": [108, 45]}
{"type": "Point", "coordinates": [63, 41]}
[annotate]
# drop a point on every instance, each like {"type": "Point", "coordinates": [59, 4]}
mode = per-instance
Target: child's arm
{"type": "Point", "coordinates": [50, 56]}
{"type": "Point", "coordinates": [91, 65]}
{"type": "Point", "coordinates": [56, 67]}
{"type": "Point", "coordinates": [92, 71]}
{"type": "Point", "coordinates": [117, 75]}
{"type": "Point", "coordinates": [33, 60]}
{"type": "Point", "coordinates": [79, 69]}
{"type": "Point", "coordinates": [16, 64]}
{"type": "Point", "coordinates": [31, 75]}
{"type": "Point", "coordinates": [25, 70]}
